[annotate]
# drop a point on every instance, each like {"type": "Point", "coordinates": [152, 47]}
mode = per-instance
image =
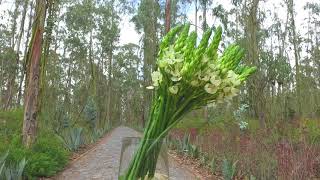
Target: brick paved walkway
{"type": "Point", "coordinates": [102, 162]}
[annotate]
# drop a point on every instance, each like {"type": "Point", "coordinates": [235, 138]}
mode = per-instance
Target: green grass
{"type": "Point", "coordinates": [192, 122]}
{"type": "Point", "coordinates": [10, 124]}
{"type": "Point", "coordinates": [46, 157]}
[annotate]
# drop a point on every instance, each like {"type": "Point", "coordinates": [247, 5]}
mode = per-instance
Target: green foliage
{"type": "Point", "coordinates": [213, 165]}
{"type": "Point", "coordinates": [10, 124]}
{"type": "Point", "coordinates": [45, 158]}
{"type": "Point", "coordinates": [186, 142]}
{"type": "Point", "coordinates": [16, 151]}
{"type": "Point", "coordinates": [2, 162]}
{"type": "Point", "coordinates": [11, 170]}
{"type": "Point", "coordinates": [313, 130]}
{"type": "Point", "coordinates": [15, 172]}
{"type": "Point", "coordinates": [53, 148]}
{"type": "Point", "coordinates": [42, 164]}
{"type": "Point", "coordinates": [203, 159]}
{"type": "Point", "coordinates": [73, 138]}
{"type": "Point", "coordinates": [252, 177]}
{"type": "Point", "coordinates": [194, 151]}
{"type": "Point", "coordinates": [90, 111]}
{"type": "Point", "coordinates": [193, 122]}
{"type": "Point", "coordinates": [228, 169]}
{"type": "Point", "coordinates": [239, 115]}
{"type": "Point", "coordinates": [96, 134]}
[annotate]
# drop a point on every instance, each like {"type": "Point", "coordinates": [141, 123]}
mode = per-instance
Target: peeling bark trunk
{"type": "Point", "coordinates": [168, 15]}
{"type": "Point", "coordinates": [32, 96]}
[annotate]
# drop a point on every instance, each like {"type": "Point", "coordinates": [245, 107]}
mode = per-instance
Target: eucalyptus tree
{"type": "Point", "coordinates": [12, 71]}
{"type": "Point", "coordinates": [79, 19]}
{"type": "Point", "coordinates": [108, 37]}
{"type": "Point", "coordinates": [32, 92]}
{"type": "Point", "coordinates": [248, 34]}
{"type": "Point", "coordinates": [204, 6]}
{"type": "Point", "coordinates": [52, 8]}
{"type": "Point", "coordinates": [310, 61]}
{"type": "Point", "coordinates": [16, 41]}
{"type": "Point", "coordinates": [146, 20]}
{"type": "Point", "coordinates": [6, 57]}
{"type": "Point", "coordinates": [168, 16]}
{"type": "Point", "coordinates": [23, 68]}
{"type": "Point", "coordinates": [127, 71]}
{"type": "Point", "coordinates": [294, 39]}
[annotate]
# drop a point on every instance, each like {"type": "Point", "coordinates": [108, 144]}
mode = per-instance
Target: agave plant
{"type": "Point", "coordinates": [194, 151]}
{"type": "Point", "coordinates": [203, 159]}
{"type": "Point", "coordinates": [73, 138]}
{"type": "Point", "coordinates": [188, 77]}
{"type": "Point", "coordinates": [96, 134]}
{"type": "Point", "coordinates": [15, 172]}
{"type": "Point", "coordinates": [3, 162]}
{"type": "Point", "coordinates": [228, 169]}
{"type": "Point", "coordinates": [213, 165]}
{"type": "Point", "coordinates": [186, 143]}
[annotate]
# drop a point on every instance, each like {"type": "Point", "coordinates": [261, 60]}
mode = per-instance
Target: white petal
{"type": "Point", "coordinates": [236, 82]}
{"type": "Point", "coordinates": [174, 89]}
{"type": "Point", "coordinates": [204, 77]}
{"type": "Point", "coordinates": [211, 89]}
{"type": "Point", "coordinates": [179, 58]}
{"type": "Point", "coordinates": [215, 81]}
{"type": "Point", "coordinates": [220, 98]}
{"type": "Point", "coordinates": [204, 59]}
{"type": "Point", "coordinates": [212, 66]}
{"type": "Point", "coordinates": [226, 89]}
{"type": "Point", "coordinates": [150, 87]}
{"type": "Point", "coordinates": [175, 78]}
{"type": "Point", "coordinates": [163, 63]}
{"type": "Point", "coordinates": [194, 83]}
{"type": "Point", "coordinates": [212, 104]}
{"type": "Point", "coordinates": [156, 75]}
{"type": "Point", "coordinates": [231, 74]}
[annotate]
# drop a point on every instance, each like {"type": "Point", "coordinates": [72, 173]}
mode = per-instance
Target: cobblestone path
{"type": "Point", "coordinates": [102, 162]}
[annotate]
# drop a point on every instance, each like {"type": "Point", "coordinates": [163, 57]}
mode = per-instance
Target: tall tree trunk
{"type": "Point", "coordinates": [150, 45]}
{"type": "Point", "coordinates": [13, 78]}
{"type": "Point", "coordinates": [168, 15]}
{"type": "Point", "coordinates": [23, 69]}
{"type": "Point", "coordinates": [196, 15]}
{"type": "Point", "coordinates": [51, 8]}
{"type": "Point", "coordinates": [14, 23]}
{"type": "Point", "coordinates": [204, 14]}
{"type": "Point", "coordinates": [257, 84]}
{"type": "Point", "coordinates": [110, 57]}
{"type": "Point", "coordinates": [296, 54]}
{"type": "Point", "coordinates": [12, 74]}
{"type": "Point", "coordinates": [109, 116]}
{"type": "Point", "coordinates": [31, 105]}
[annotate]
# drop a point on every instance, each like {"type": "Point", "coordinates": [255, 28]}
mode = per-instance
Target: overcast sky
{"type": "Point", "coordinates": [129, 35]}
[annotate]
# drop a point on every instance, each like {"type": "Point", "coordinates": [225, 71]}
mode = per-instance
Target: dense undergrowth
{"type": "Point", "coordinates": [48, 155]}
{"type": "Point", "coordinates": [285, 150]}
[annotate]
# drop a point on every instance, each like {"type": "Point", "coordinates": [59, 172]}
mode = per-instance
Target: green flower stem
{"type": "Point", "coordinates": [188, 77]}
{"type": "Point", "coordinates": [142, 163]}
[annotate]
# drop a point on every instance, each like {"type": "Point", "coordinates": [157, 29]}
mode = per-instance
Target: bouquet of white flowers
{"type": "Point", "coordinates": [188, 77]}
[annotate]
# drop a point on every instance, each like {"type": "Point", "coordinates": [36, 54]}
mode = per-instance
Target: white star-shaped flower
{"type": "Point", "coordinates": [174, 89]}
